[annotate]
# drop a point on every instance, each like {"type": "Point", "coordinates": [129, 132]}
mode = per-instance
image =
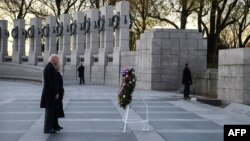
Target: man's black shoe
{"type": "Point", "coordinates": [50, 132]}
{"type": "Point", "coordinates": [58, 128]}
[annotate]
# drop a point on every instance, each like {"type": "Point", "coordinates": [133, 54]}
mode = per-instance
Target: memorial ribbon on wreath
{"type": "Point", "coordinates": [127, 87]}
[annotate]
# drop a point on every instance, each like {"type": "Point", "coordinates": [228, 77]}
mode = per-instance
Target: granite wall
{"type": "Point", "coordinates": [162, 54]}
{"type": "Point", "coordinates": [233, 75]}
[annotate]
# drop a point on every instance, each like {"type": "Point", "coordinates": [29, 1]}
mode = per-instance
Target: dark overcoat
{"type": "Point", "coordinates": [81, 71]}
{"type": "Point", "coordinates": [50, 87]}
{"type": "Point", "coordinates": [186, 77]}
{"type": "Point", "coordinates": [60, 112]}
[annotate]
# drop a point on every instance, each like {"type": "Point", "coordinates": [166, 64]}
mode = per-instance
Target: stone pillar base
{"type": "Point", "coordinates": [16, 57]}
{"type": "Point", "coordinates": [1, 57]}
{"type": "Point", "coordinates": [32, 58]}
{"type": "Point", "coordinates": [46, 57]}
{"type": "Point", "coordinates": [75, 59]}
{"type": "Point", "coordinates": [62, 57]}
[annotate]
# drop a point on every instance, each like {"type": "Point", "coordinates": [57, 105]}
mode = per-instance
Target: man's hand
{"type": "Point", "coordinates": [57, 96]}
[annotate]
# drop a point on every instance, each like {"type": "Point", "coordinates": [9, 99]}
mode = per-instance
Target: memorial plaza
{"type": "Point", "coordinates": [92, 114]}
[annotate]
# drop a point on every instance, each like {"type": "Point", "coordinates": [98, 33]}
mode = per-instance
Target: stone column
{"type": "Point", "coordinates": [106, 40]}
{"type": "Point", "coordinates": [92, 43]}
{"type": "Point", "coordinates": [122, 33]}
{"type": "Point", "coordinates": [233, 76]}
{"type": "Point", "coordinates": [34, 34]}
{"type": "Point", "coordinates": [64, 40]}
{"type": "Point", "coordinates": [3, 39]}
{"type": "Point", "coordinates": [18, 33]}
{"type": "Point", "coordinates": [121, 37]}
{"type": "Point", "coordinates": [50, 38]}
{"type": "Point", "coordinates": [77, 39]}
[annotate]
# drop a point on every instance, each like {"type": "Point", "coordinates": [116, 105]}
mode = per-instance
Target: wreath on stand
{"type": "Point", "coordinates": [127, 87]}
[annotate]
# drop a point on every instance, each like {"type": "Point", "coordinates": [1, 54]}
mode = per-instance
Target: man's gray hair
{"type": "Point", "coordinates": [53, 57]}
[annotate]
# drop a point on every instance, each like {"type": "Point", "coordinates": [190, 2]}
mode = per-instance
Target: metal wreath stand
{"type": "Point", "coordinates": [126, 120]}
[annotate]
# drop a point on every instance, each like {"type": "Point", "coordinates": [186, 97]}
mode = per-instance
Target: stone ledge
{"type": "Point", "coordinates": [214, 102]}
{"type": "Point", "coordinates": [34, 79]}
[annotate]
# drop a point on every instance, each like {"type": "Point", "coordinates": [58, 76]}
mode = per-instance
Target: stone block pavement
{"type": "Point", "coordinates": [92, 114]}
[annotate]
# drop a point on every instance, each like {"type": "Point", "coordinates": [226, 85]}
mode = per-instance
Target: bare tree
{"type": "Point", "coordinates": [222, 14]}
{"type": "Point", "coordinates": [242, 25]}
{"type": "Point", "coordinates": [16, 9]}
{"type": "Point", "coordinates": [162, 12]}
{"type": "Point", "coordinates": [202, 11]}
{"type": "Point", "coordinates": [98, 3]}
{"type": "Point", "coordinates": [58, 7]}
{"type": "Point", "coordinates": [140, 11]}
{"type": "Point", "coordinates": [185, 8]}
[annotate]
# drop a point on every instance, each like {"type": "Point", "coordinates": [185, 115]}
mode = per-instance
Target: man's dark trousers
{"type": "Point", "coordinates": [186, 90]}
{"type": "Point", "coordinates": [49, 119]}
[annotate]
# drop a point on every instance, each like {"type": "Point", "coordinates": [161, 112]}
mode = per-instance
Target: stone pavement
{"type": "Point", "coordinates": [92, 114]}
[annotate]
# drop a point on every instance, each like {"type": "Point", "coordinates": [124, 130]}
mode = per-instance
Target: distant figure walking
{"type": "Point", "coordinates": [187, 81]}
{"type": "Point", "coordinates": [81, 74]}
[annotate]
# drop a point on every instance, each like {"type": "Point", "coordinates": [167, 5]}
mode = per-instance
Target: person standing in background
{"type": "Point", "coordinates": [81, 74]}
{"type": "Point", "coordinates": [187, 81]}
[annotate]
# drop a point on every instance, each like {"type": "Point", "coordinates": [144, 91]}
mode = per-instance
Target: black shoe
{"type": "Point", "coordinates": [50, 132]}
{"type": "Point", "coordinates": [58, 128]}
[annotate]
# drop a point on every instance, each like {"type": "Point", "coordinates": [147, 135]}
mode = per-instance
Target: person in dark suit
{"type": "Point", "coordinates": [187, 81]}
{"type": "Point", "coordinates": [81, 74]}
{"type": "Point", "coordinates": [59, 108]}
{"type": "Point", "coordinates": [50, 93]}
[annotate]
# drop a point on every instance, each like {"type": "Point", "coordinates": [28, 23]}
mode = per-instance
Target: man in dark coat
{"type": "Point", "coordinates": [50, 93]}
{"type": "Point", "coordinates": [59, 108]}
{"type": "Point", "coordinates": [81, 74]}
{"type": "Point", "coordinates": [187, 81]}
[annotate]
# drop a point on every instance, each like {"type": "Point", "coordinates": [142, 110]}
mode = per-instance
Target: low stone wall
{"type": "Point", "coordinates": [20, 71]}
{"type": "Point", "coordinates": [205, 84]}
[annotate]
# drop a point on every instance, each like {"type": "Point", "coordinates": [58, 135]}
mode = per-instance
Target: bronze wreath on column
{"type": "Point", "coordinates": [101, 23]}
{"type": "Point", "coordinates": [14, 32]}
{"type": "Point", "coordinates": [31, 31]}
{"type": "Point", "coordinates": [86, 26]}
{"type": "Point", "coordinates": [73, 27]}
{"type": "Point", "coordinates": [59, 29]}
{"type": "Point", "coordinates": [115, 21]}
{"type": "Point", "coordinates": [24, 33]}
{"type": "Point", "coordinates": [46, 31]}
{"type": "Point", "coordinates": [6, 33]}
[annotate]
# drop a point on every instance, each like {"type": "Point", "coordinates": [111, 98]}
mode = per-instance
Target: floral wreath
{"type": "Point", "coordinates": [127, 87]}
